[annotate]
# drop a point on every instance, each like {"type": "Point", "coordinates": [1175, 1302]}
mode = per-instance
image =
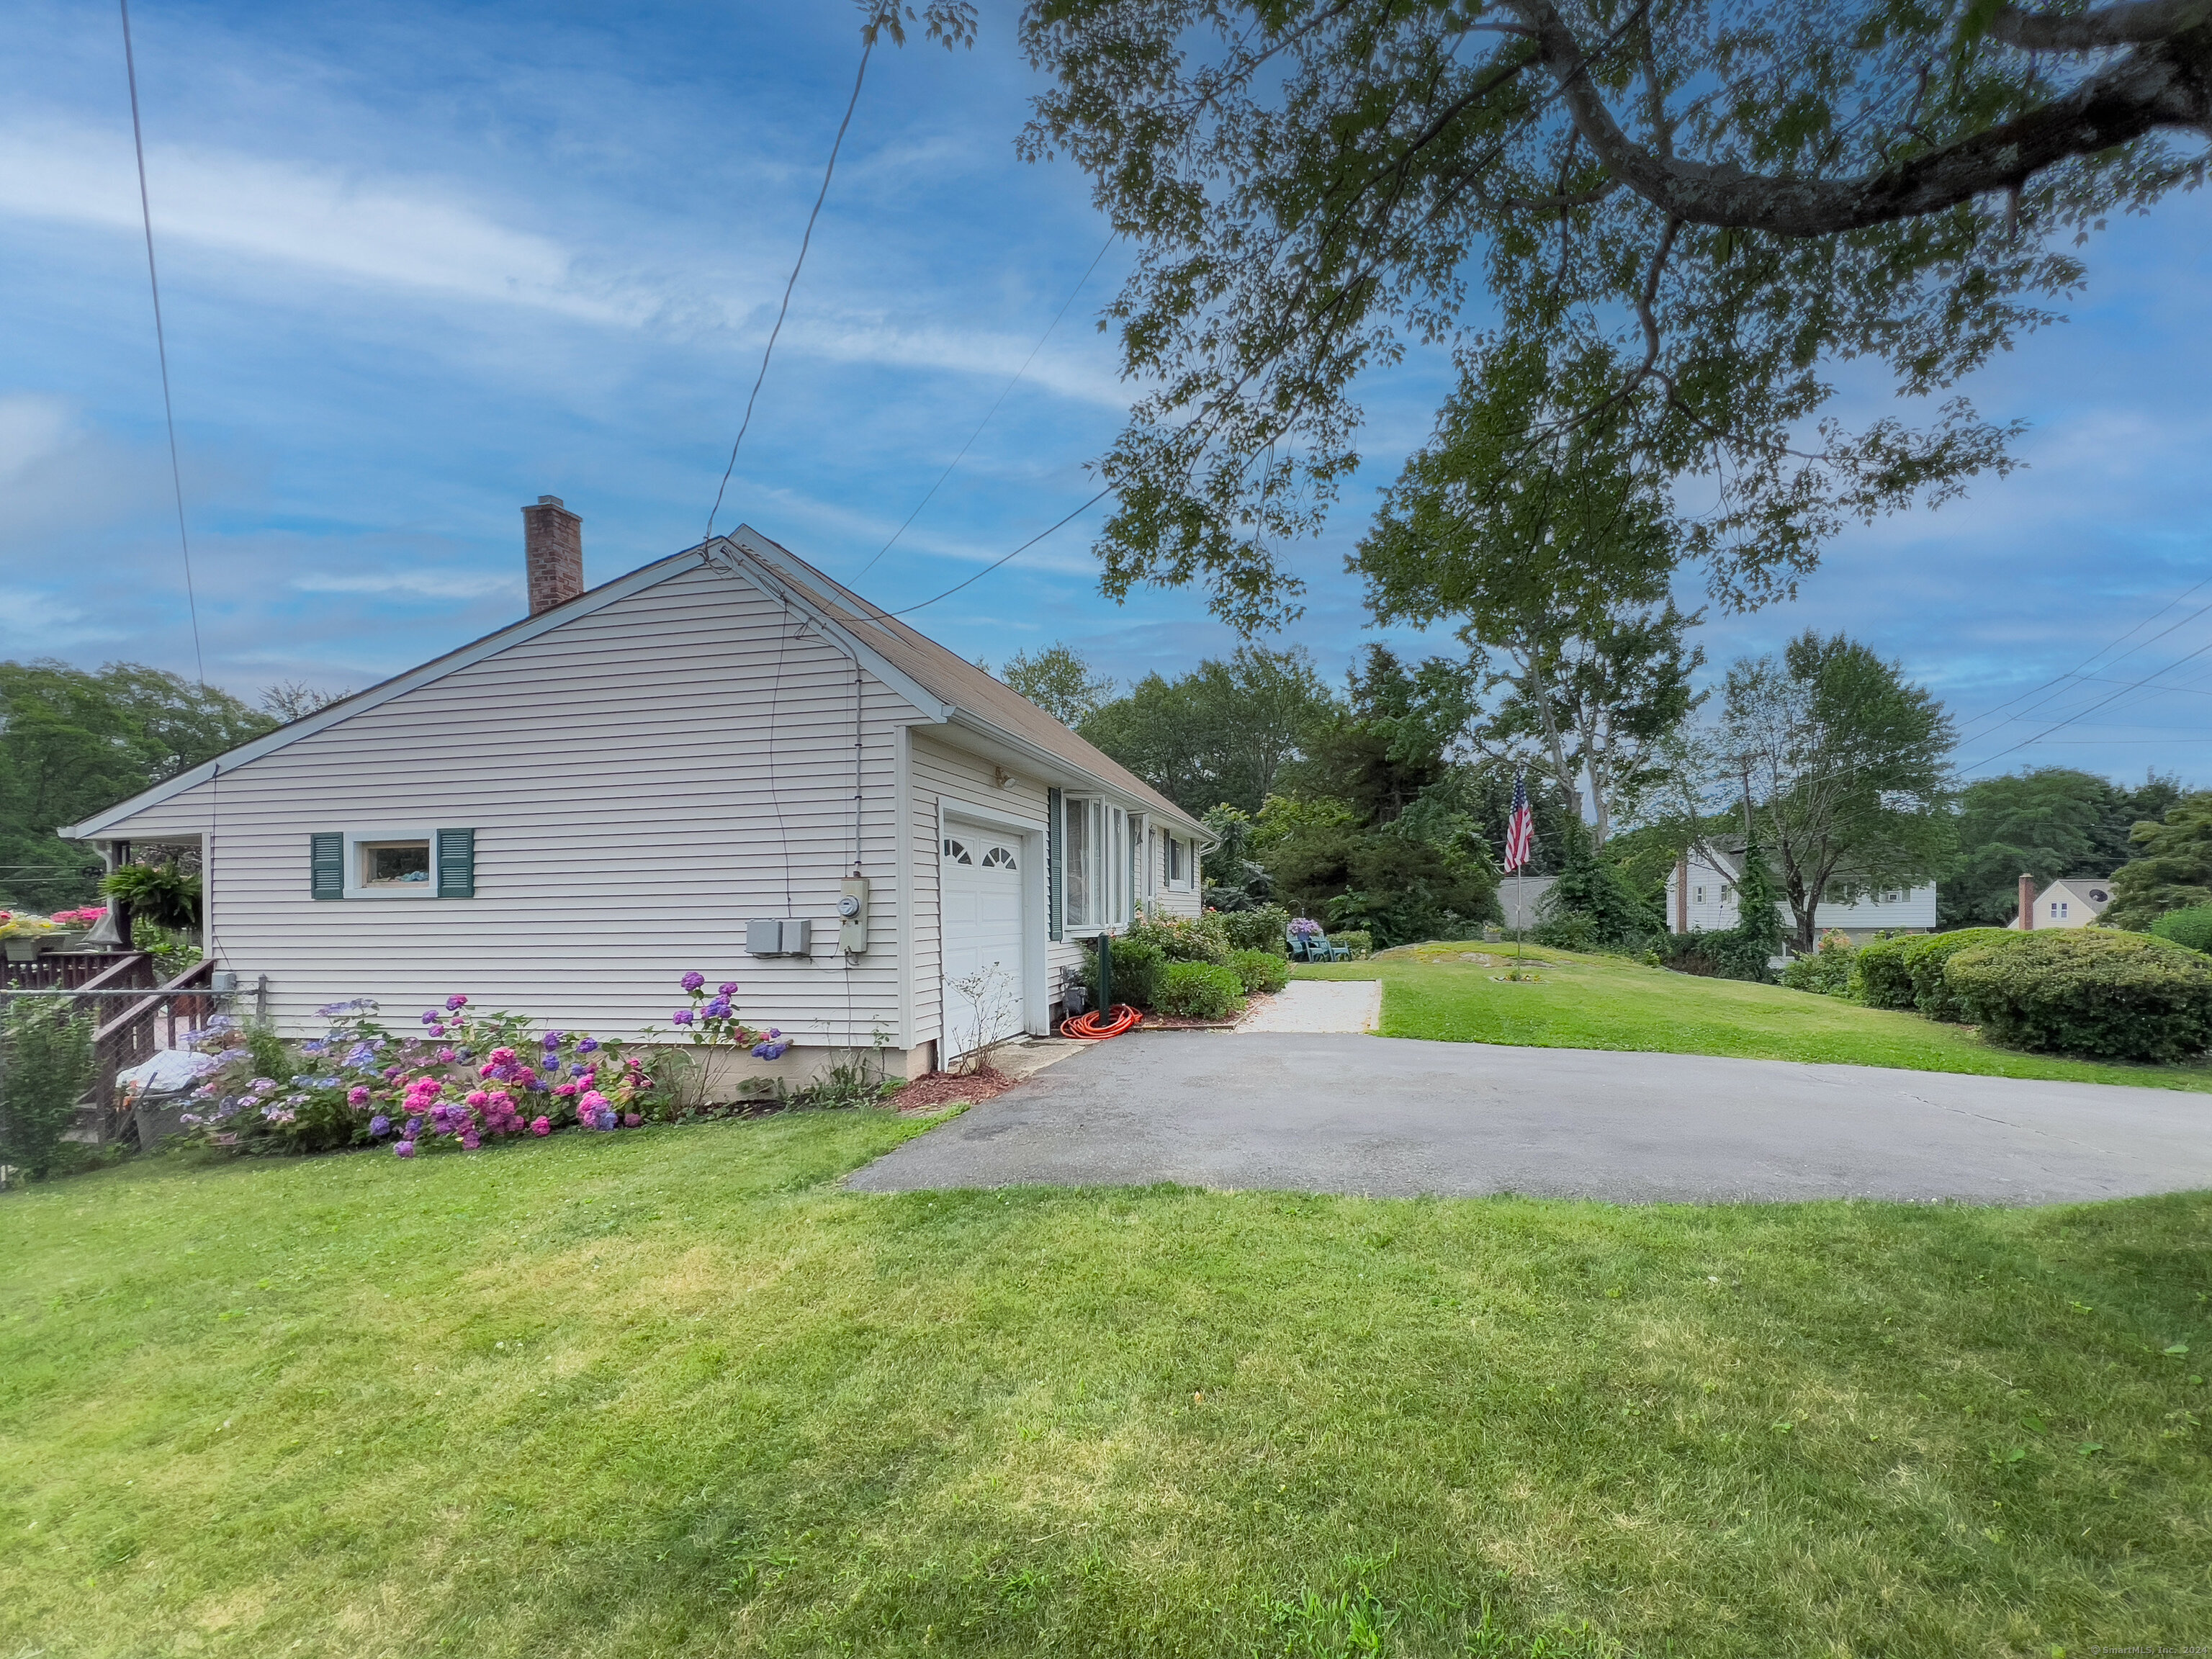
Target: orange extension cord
{"type": "Point", "coordinates": [1124, 1018]}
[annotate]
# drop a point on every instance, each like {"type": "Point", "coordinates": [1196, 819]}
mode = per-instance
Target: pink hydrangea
{"type": "Point", "coordinates": [539, 1126]}
{"type": "Point", "coordinates": [477, 1098]}
{"type": "Point", "coordinates": [357, 1096]}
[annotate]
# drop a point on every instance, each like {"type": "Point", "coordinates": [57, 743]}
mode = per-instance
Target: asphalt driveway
{"type": "Point", "coordinates": [1344, 1113]}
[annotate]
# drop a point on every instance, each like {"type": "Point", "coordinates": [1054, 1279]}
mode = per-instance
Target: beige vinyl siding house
{"type": "Point", "coordinates": [562, 818]}
{"type": "Point", "coordinates": [2070, 902]}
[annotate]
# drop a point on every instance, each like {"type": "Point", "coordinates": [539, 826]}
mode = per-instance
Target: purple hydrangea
{"type": "Point", "coordinates": [588, 1045]}
{"type": "Point", "coordinates": [728, 987]}
{"type": "Point", "coordinates": [682, 1016]}
{"type": "Point", "coordinates": [457, 1003]}
{"type": "Point", "coordinates": [429, 1015]}
{"type": "Point", "coordinates": [404, 1148]}
{"type": "Point", "coordinates": [718, 1008]}
{"type": "Point", "coordinates": [693, 982]}
{"type": "Point", "coordinates": [553, 1039]}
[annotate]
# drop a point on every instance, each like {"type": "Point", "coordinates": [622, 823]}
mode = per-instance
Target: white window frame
{"type": "Point", "coordinates": [1180, 864]}
{"type": "Point", "coordinates": [356, 839]}
{"type": "Point", "coordinates": [1110, 865]}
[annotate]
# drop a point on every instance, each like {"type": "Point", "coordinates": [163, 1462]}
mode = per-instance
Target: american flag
{"type": "Point", "coordinates": [1521, 827]}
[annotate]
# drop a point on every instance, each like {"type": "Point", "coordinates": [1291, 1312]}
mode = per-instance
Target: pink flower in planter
{"type": "Point", "coordinates": [539, 1126]}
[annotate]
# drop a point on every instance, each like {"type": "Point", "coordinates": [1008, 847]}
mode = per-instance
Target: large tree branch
{"type": "Point", "coordinates": [2163, 83]}
{"type": "Point", "coordinates": [2135, 23]}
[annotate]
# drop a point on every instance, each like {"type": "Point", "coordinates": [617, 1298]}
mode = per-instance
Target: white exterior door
{"type": "Point", "coordinates": [980, 887]}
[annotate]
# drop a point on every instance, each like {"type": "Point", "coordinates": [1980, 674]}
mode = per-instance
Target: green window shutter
{"type": "Point", "coordinates": [1052, 864]}
{"type": "Point", "coordinates": [457, 864]}
{"type": "Point", "coordinates": [326, 865]}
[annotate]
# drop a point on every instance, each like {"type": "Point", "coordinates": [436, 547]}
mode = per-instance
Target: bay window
{"type": "Point", "coordinates": [1098, 865]}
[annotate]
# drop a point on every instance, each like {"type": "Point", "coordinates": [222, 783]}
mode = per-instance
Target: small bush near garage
{"type": "Point", "coordinates": [1184, 938]}
{"type": "Point", "coordinates": [1136, 964]}
{"type": "Point", "coordinates": [2191, 926]}
{"type": "Point", "coordinates": [1259, 971]}
{"type": "Point", "coordinates": [1924, 959]}
{"type": "Point", "coordinates": [1879, 978]}
{"type": "Point", "coordinates": [1197, 990]}
{"type": "Point", "coordinates": [1263, 929]}
{"type": "Point", "coordinates": [2110, 995]}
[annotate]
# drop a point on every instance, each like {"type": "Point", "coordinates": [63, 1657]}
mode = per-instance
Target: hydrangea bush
{"type": "Point", "coordinates": [463, 1077]}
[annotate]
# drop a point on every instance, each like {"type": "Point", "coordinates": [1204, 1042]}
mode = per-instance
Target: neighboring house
{"type": "Point", "coordinates": [1519, 896]}
{"type": "Point", "coordinates": [1701, 898]}
{"type": "Point", "coordinates": [687, 767]}
{"type": "Point", "coordinates": [2075, 901]}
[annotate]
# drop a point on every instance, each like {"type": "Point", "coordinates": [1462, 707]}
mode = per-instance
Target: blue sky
{"type": "Point", "coordinates": [421, 265]}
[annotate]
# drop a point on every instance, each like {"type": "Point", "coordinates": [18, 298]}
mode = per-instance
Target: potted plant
{"type": "Point", "coordinates": [22, 938]}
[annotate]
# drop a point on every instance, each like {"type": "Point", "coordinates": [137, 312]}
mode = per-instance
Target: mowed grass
{"type": "Point", "coordinates": [677, 1392]}
{"type": "Point", "coordinates": [1607, 1002]}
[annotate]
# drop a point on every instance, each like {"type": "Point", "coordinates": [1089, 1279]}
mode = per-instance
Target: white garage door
{"type": "Point", "coordinates": [981, 890]}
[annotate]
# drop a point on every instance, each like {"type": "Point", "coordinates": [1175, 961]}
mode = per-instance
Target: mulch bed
{"type": "Point", "coordinates": [928, 1093]}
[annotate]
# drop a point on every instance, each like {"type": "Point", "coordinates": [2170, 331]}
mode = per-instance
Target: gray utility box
{"type": "Point", "coordinates": [780, 936]}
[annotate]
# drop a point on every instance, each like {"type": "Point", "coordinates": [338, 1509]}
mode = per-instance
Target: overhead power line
{"type": "Point", "coordinates": [162, 344]}
{"type": "Point", "coordinates": [867, 47]}
{"type": "Point", "coordinates": [905, 610]}
{"type": "Point", "coordinates": [993, 409]}
{"type": "Point", "coordinates": [2082, 713]}
{"type": "Point", "coordinates": [2075, 672]}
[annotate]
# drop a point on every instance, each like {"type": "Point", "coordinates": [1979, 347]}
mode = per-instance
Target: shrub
{"type": "Point", "coordinates": [1924, 959]}
{"type": "Point", "coordinates": [45, 1065]}
{"type": "Point", "coordinates": [1568, 930]}
{"type": "Point", "coordinates": [1259, 971]}
{"type": "Point", "coordinates": [1136, 964]}
{"type": "Point", "coordinates": [1879, 978]}
{"type": "Point", "coordinates": [1197, 990]}
{"type": "Point", "coordinates": [2191, 926]}
{"type": "Point", "coordinates": [1358, 940]}
{"type": "Point", "coordinates": [1824, 972]}
{"type": "Point", "coordinates": [1183, 938]}
{"type": "Point", "coordinates": [1256, 930]}
{"type": "Point", "coordinates": [2107, 995]}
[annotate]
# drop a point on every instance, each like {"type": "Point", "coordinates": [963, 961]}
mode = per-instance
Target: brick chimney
{"type": "Point", "coordinates": [2027, 902]}
{"type": "Point", "coordinates": [552, 553]}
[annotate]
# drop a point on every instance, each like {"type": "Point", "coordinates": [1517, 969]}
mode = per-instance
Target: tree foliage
{"type": "Point", "coordinates": [1059, 681]}
{"type": "Point", "coordinates": [1552, 548]}
{"type": "Point", "coordinates": [72, 742]}
{"type": "Point", "coordinates": [1706, 203]}
{"type": "Point", "coordinates": [2171, 869]}
{"type": "Point", "coordinates": [1849, 766]}
{"type": "Point", "coordinates": [1218, 734]}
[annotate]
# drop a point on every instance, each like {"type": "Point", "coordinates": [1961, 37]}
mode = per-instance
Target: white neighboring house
{"type": "Point", "coordinates": [564, 818]}
{"type": "Point", "coordinates": [1701, 898]}
{"type": "Point", "coordinates": [2072, 901]}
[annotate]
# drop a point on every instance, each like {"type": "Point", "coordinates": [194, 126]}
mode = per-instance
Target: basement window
{"type": "Point", "coordinates": [391, 864]}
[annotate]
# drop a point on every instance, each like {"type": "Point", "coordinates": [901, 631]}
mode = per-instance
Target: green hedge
{"type": "Point", "coordinates": [1358, 940]}
{"type": "Point", "coordinates": [1879, 978]}
{"type": "Point", "coordinates": [1197, 990]}
{"type": "Point", "coordinates": [1924, 959]}
{"type": "Point", "coordinates": [1259, 971]}
{"type": "Point", "coordinates": [1825, 972]}
{"type": "Point", "coordinates": [2095, 991]}
{"type": "Point", "coordinates": [2191, 926]}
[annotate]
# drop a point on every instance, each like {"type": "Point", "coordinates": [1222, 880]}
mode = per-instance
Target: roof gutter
{"type": "Point", "coordinates": [1066, 772]}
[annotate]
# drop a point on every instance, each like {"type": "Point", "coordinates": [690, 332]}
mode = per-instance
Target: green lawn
{"type": "Point", "coordinates": [675, 1392]}
{"type": "Point", "coordinates": [1607, 1002]}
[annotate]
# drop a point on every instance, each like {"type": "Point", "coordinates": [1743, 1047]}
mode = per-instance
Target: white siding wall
{"type": "Point", "coordinates": [640, 782]}
{"type": "Point", "coordinates": [1162, 896]}
{"type": "Point", "coordinates": [1711, 912]}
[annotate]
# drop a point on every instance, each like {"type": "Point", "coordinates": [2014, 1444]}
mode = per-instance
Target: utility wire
{"type": "Point", "coordinates": [162, 345]}
{"type": "Point", "coordinates": [993, 409]}
{"type": "Point", "coordinates": [2134, 685]}
{"type": "Point", "coordinates": [2075, 672]}
{"type": "Point", "coordinates": [908, 610]}
{"type": "Point", "coordinates": [867, 47]}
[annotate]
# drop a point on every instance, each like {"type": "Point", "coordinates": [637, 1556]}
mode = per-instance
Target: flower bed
{"type": "Point", "coordinates": [466, 1078]}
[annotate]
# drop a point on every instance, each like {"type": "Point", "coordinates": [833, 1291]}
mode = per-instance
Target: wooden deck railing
{"type": "Point", "coordinates": [67, 970]}
{"type": "Point", "coordinates": [132, 1035]}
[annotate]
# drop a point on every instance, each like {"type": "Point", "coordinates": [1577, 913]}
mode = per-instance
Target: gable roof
{"type": "Point", "coordinates": [932, 678]}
